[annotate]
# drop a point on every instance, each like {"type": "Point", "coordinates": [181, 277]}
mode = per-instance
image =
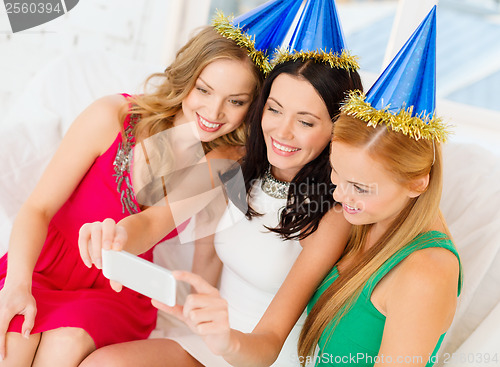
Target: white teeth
{"type": "Point", "coordinates": [208, 124]}
{"type": "Point", "coordinates": [285, 149]}
{"type": "Point", "coordinates": [350, 207]}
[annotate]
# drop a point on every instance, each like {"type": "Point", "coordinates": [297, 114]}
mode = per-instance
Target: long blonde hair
{"type": "Point", "coordinates": [158, 109]}
{"type": "Point", "coordinates": [407, 159]}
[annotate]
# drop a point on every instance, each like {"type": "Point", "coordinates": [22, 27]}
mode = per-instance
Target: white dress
{"type": "Point", "coordinates": [255, 264]}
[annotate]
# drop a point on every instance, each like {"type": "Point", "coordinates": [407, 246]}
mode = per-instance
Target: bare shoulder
{"type": "Point", "coordinates": [335, 217]}
{"type": "Point", "coordinates": [91, 134]}
{"type": "Point", "coordinates": [434, 260]}
{"type": "Point", "coordinates": [429, 271]}
{"type": "Point", "coordinates": [330, 238]}
{"type": "Point", "coordinates": [106, 109]}
{"type": "Point", "coordinates": [332, 225]}
{"type": "Point", "coordinates": [112, 101]}
{"type": "Point", "coordinates": [422, 294]}
{"type": "Point", "coordinates": [101, 120]}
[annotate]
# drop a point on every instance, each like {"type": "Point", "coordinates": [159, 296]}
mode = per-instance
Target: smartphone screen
{"type": "Point", "coordinates": [139, 275]}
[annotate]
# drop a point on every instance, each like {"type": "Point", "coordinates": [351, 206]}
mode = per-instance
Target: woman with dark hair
{"type": "Point", "coordinates": [310, 190]}
{"type": "Point", "coordinates": [266, 279]}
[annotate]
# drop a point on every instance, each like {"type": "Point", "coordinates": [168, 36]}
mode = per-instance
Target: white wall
{"type": "Point", "coordinates": [468, 124]}
{"type": "Point", "coordinates": [145, 30]}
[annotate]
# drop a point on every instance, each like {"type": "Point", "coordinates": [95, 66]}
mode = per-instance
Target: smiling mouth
{"type": "Point", "coordinates": [207, 125]}
{"type": "Point", "coordinates": [284, 148]}
{"type": "Point", "coordinates": [350, 209]}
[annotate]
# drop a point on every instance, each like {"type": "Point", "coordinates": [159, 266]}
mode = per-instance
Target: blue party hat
{"type": "Point", "coordinates": [404, 96]}
{"type": "Point", "coordinates": [270, 23]}
{"type": "Point", "coordinates": [318, 35]}
{"type": "Point", "coordinates": [260, 30]}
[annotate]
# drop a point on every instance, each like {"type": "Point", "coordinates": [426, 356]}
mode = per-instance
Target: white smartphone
{"type": "Point", "coordinates": [139, 275]}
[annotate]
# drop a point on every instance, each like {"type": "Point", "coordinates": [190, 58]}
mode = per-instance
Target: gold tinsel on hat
{"type": "Point", "coordinates": [335, 60]}
{"type": "Point", "coordinates": [223, 25]}
{"type": "Point", "coordinates": [417, 127]}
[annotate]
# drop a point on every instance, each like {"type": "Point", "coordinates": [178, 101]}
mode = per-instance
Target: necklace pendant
{"type": "Point", "coordinates": [274, 187]}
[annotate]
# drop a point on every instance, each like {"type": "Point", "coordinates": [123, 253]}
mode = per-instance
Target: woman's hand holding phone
{"type": "Point", "coordinates": [94, 237]}
{"type": "Point", "coordinates": [205, 312]}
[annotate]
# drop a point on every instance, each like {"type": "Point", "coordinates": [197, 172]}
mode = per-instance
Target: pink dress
{"type": "Point", "coordinates": [67, 293]}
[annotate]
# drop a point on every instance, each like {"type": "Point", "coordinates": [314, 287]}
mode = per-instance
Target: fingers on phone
{"type": "Point", "coordinates": [207, 315]}
{"type": "Point", "coordinates": [175, 310]}
{"type": "Point", "coordinates": [160, 306]}
{"type": "Point", "coordinates": [199, 284]}
{"type": "Point", "coordinates": [120, 238]}
{"type": "Point", "coordinates": [96, 244]}
{"type": "Point", "coordinates": [108, 233]}
{"type": "Point", "coordinates": [117, 287]}
{"type": "Point", "coordinates": [94, 237]}
{"type": "Point", "coordinates": [83, 244]}
{"type": "Point", "coordinates": [114, 236]}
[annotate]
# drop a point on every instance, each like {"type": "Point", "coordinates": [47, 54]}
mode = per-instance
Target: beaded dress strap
{"type": "Point", "coordinates": [122, 163]}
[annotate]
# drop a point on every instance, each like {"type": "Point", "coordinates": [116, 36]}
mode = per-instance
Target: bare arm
{"type": "Point", "coordinates": [420, 305]}
{"type": "Point", "coordinates": [89, 136]}
{"type": "Point", "coordinates": [206, 312]}
{"type": "Point", "coordinates": [206, 263]}
{"type": "Point", "coordinates": [321, 250]}
{"type": "Point", "coordinates": [137, 233]}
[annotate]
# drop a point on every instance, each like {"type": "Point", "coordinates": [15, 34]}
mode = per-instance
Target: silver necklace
{"type": "Point", "coordinates": [274, 187]}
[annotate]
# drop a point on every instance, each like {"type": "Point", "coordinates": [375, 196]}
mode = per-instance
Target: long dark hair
{"type": "Point", "coordinates": [310, 193]}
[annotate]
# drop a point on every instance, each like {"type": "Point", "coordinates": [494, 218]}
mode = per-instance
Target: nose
{"type": "Point", "coordinates": [284, 130]}
{"type": "Point", "coordinates": [216, 109]}
{"type": "Point", "coordinates": [340, 194]}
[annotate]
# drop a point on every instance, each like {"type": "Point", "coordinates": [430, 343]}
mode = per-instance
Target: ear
{"type": "Point", "coordinates": [419, 185]}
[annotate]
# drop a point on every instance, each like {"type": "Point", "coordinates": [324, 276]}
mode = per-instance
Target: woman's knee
{"type": "Point", "coordinates": [101, 357]}
{"type": "Point", "coordinates": [68, 337]}
{"type": "Point", "coordinates": [63, 347]}
{"type": "Point", "coordinates": [141, 353]}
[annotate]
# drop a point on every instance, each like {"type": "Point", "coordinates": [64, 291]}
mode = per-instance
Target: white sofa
{"type": "Point", "coordinates": [35, 123]}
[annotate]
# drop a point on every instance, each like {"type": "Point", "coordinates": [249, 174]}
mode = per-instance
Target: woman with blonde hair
{"type": "Point", "coordinates": [55, 310]}
{"type": "Point", "coordinates": [392, 295]}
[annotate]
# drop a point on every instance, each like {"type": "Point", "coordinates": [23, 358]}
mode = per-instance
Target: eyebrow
{"type": "Point", "coordinates": [231, 95]}
{"type": "Point", "coordinates": [298, 113]}
{"type": "Point", "coordinates": [351, 182]}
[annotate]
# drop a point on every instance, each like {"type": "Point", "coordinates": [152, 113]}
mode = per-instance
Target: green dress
{"type": "Point", "coordinates": [358, 336]}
